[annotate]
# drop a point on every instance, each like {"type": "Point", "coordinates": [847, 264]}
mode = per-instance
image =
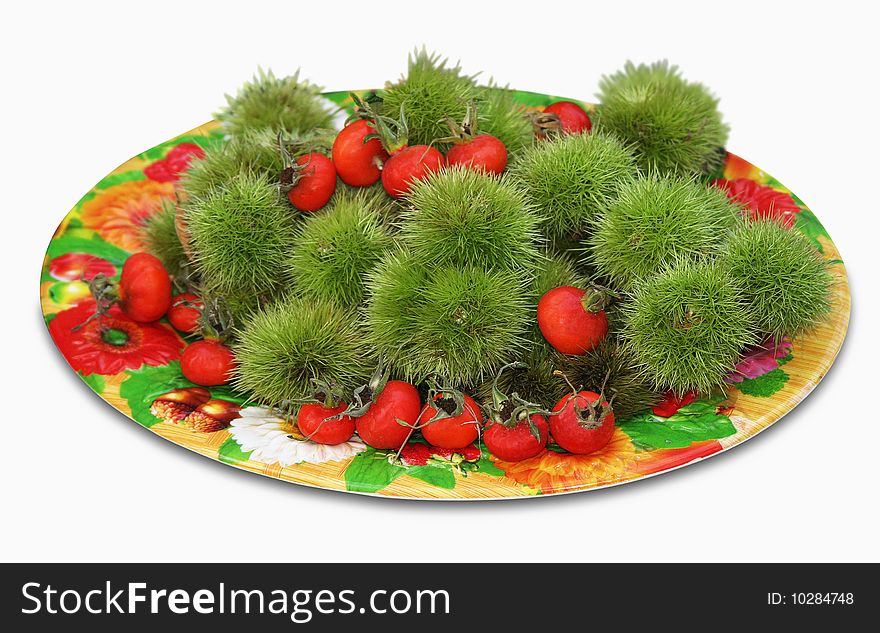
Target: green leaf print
{"type": "Point", "coordinates": [95, 381]}
{"type": "Point", "coordinates": [370, 471]}
{"type": "Point", "coordinates": [230, 452]}
{"type": "Point", "coordinates": [92, 246]}
{"type": "Point", "coordinates": [695, 422]}
{"type": "Point", "coordinates": [434, 475]}
{"type": "Point", "coordinates": [764, 386]}
{"type": "Point", "coordinates": [146, 384]}
{"type": "Point", "coordinates": [809, 225]}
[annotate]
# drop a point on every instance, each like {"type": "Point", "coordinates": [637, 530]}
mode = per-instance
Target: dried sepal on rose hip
{"type": "Point", "coordinates": [582, 422]}
{"type": "Point", "coordinates": [473, 149]}
{"type": "Point", "coordinates": [450, 419]}
{"type": "Point", "coordinates": [407, 163]}
{"type": "Point", "coordinates": [515, 428]}
{"type": "Point", "coordinates": [175, 406]}
{"type": "Point", "coordinates": [308, 179]}
{"type": "Point", "coordinates": [561, 117]}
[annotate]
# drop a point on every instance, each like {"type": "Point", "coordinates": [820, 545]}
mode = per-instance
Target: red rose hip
{"type": "Point", "coordinates": [410, 164]}
{"type": "Point", "coordinates": [325, 425]}
{"type": "Point", "coordinates": [516, 443]}
{"type": "Point", "coordinates": [144, 288]}
{"type": "Point", "coordinates": [390, 418]}
{"type": "Point", "coordinates": [582, 423]}
{"type": "Point", "coordinates": [451, 431]}
{"type": "Point", "coordinates": [207, 363]}
{"type": "Point", "coordinates": [573, 320]}
{"type": "Point", "coordinates": [358, 163]}
{"type": "Point", "coordinates": [483, 152]}
{"type": "Point", "coordinates": [573, 119]}
{"type": "Point", "coordinates": [315, 184]}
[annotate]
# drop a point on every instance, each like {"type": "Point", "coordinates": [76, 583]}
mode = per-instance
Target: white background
{"type": "Point", "coordinates": [84, 86]}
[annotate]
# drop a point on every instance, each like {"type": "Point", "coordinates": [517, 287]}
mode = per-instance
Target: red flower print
{"type": "Point", "coordinates": [651, 462]}
{"type": "Point", "coordinates": [111, 344]}
{"type": "Point", "coordinates": [763, 202]}
{"type": "Point", "coordinates": [176, 162]}
{"type": "Point", "coordinates": [670, 403]}
{"type": "Point", "coordinates": [80, 267]}
{"type": "Point", "coordinates": [415, 454]}
{"type": "Point", "coordinates": [736, 167]}
{"type": "Point", "coordinates": [552, 472]}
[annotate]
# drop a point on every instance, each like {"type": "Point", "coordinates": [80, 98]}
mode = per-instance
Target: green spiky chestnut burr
{"type": "Point", "coordinates": [654, 220]}
{"type": "Point", "coordinates": [674, 125]}
{"type": "Point", "coordinates": [687, 326]}
{"type": "Point", "coordinates": [255, 150]}
{"type": "Point", "coordinates": [553, 271]}
{"type": "Point", "coordinates": [532, 380]}
{"type": "Point", "coordinates": [335, 248]}
{"type": "Point", "coordinates": [464, 217]}
{"type": "Point", "coordinates": [431, 90]}
{"type": "Point", "coordinates": [286, 346]}
{"type": "Point", "coordinates": [500, 115]}
{"type": "Point", "coordinates": [611, 368]}
{"type": "Point", "coordinates": [240, 236]}
{"type": "Point", "coordinates": [238, 304]}
{"type": "Point", "coordinates": [786, 280]}
{"type": "Point", "coordinates": [453, 323]}
{"type": "Point", "coordinates": [394, 288]}
{"type": "Point", "coordinates": [160, 237]}
{"type": "Point", "coordinates": [285, 104]}
{"type": "Point", "coordinates": [571, 179]}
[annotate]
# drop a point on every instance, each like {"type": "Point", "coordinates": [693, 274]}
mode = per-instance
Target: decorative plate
{"type": "Point", "coordinates": [135, 364]}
